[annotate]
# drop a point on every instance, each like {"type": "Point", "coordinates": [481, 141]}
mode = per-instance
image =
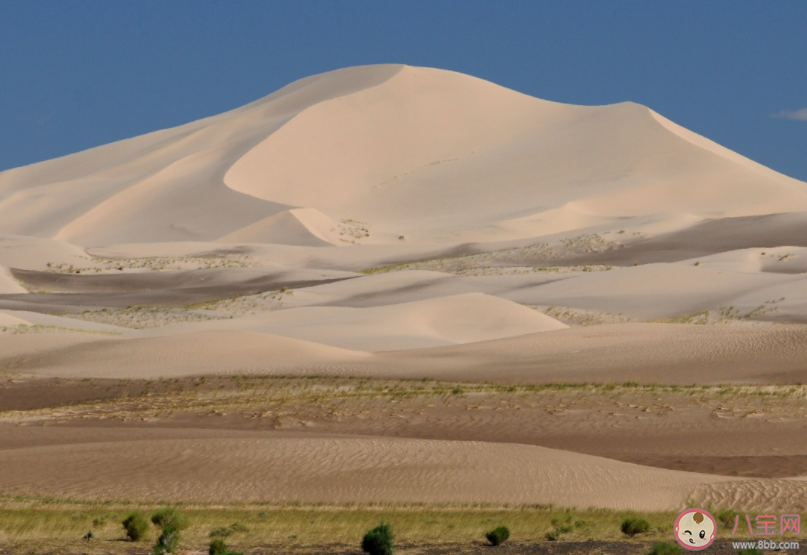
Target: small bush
{"type": "Point", "coordinates": [498, 536]}
{"type": "Point", "coordinates": [749, 552]}
{"type": "Point", "coordinates": [168, 541]}
{"type": "Point", "coordinates": [378, 541]}
{"type": "Point", "coordinates": [552, 536]}
{"type": "Point", "coordinates": [169, 517]}
{"type": "Point", "coordinates": [136, 526]}
{"type": "Point", "coordinates": [632, 526]}
{"type": "Point", "coordinates": [664, 548]}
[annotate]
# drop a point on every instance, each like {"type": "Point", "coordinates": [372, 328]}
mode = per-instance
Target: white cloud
{"type": "Point", "coordinates": [800, 115]}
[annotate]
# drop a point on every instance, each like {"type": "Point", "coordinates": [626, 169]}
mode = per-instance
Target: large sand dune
{"type": "Point", "coordinates": [398, 222]}
{"type": "Point", "coordinates": [325, 144]}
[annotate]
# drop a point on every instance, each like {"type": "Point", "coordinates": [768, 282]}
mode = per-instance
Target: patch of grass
{"type": "Point", "coordinates": [169, 517]}
{"type": "Point", "coordinates": [221, 532]}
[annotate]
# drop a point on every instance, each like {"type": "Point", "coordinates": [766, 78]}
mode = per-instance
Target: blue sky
{"type": "Point", "coordinates": [83, 73]}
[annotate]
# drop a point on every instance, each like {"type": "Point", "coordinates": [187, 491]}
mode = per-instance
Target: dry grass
{"type": "Point", "coordinates": [101, 265]}
{"type": "Point", "coordinates": [38, 328]}
{"type": "Point", "coordinates": [142, 317]}
{"type": "Point", "coordinates": [298, 402]}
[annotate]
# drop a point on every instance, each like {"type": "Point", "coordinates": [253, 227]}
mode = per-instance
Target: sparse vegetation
{"type": "Point", "coordinates": [498, 535]}
{"type": "Point", "coordinates": [48, 526]}
{"type": "Point", "coordinates": [519, 260]}
{"type": "Point", "coordinates": [379, 540]}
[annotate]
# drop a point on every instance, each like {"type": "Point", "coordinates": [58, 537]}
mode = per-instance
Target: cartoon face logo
{"type": "Point", "coordinates": [695, 529]}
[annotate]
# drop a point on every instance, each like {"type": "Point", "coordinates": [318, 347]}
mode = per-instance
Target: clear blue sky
{"type": "Point", "coordinates": [83, 73]}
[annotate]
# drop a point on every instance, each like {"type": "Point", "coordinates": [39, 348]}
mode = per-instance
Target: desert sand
{"type": "Point", "coordinates": [404, 223]}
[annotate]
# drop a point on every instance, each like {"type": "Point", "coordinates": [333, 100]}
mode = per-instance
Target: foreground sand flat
{"type": "Point", "coordinates": [402, 223]}
{"type": "Point", "coordinates": [342, 470]}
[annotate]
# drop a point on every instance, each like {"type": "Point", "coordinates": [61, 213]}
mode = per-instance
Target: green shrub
{"type": "Point", "coordinates": [498, 536]}
{"type": "Point", "coordinates": [552, 536]}
{"type": "Point", "coordinates": [136, 526]}
{"type": "Point", "coordinates": [749, 552]}
{"type": "Point", "coordinates": [169, 517]}
{"type": "Point", "coordinates": [632, 526]}
{"type": "Point", "coordinates": [168, 541]}
{"type": "Point", "coordinates": [664, 548]}
{"type": "Point", "coordinates": [217, 547]}
{"type": "Point", "coordinates": [378, 541]}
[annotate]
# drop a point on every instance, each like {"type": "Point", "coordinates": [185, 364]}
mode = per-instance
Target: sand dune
{"type": "Point", "coordinates": [566, 167]}
{"type": "Point", "coordinates": [439, 321]}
